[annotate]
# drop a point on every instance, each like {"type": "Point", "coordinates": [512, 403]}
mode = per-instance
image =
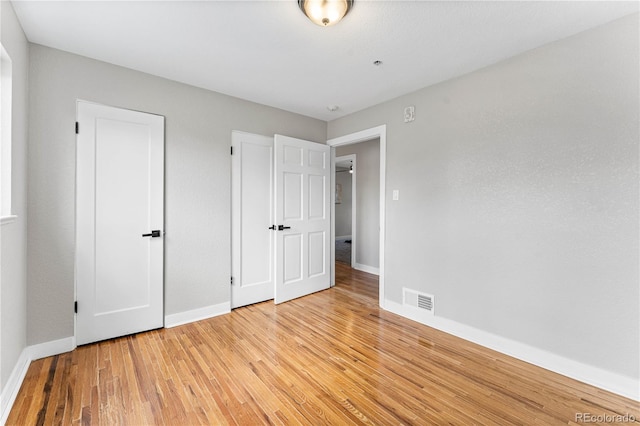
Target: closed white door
{"type": "Point", "coordinates": [119, 222]}
{"type": "Point", "coordinates": [302, 250]}
{"type": "Point", "coordinates": [251, 219]}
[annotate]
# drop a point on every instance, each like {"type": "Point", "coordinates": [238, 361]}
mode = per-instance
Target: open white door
{"type": "Point", "coordinates": [252, 202]}
{"type": "Point", "coordinates": [302, 217]}
{"type": "Point", "coordinates": [119, 222]}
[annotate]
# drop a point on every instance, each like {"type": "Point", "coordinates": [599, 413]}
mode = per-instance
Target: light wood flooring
{"type": "Point", "coordinates": [329, 358]}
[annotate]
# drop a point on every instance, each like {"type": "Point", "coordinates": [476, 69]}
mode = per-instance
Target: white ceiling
{"type": "Point", "coordinates": [269, 52]}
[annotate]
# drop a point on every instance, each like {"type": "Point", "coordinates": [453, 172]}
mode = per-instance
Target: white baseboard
{"type": "Point", "coordinates": [11, 388]}
{"type": "Point", "coordinates": [52, 348]}
{"type": "Point", "coordinates": [612, 382]}
{"type": "Point", "coordinates": [186, 317]}
{"type": "Point", "coordinates": [366, 268]}
{"type": "Point", "coordinates": [343, 237]}
{"type": "Point", "coordinates": [30, 353]}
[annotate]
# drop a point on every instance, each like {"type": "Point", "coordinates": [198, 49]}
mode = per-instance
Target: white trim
{"type": "Point", "coordinates": [366, 268]}
{"type": "Point", "coordinates": [332, 249]}
{"type": "Point", "coordinates": [362, 136]}
{"type": "Point", "coordinates": [54, 347]}
{"type": "Point", "coordinates": [194, 315]}
{"type": "Point", "coordinates": [29, 354]}
{"type": "Point", "coordinates": [6, 108]}
{"type": "Point", "coordinates": [11, 388]}
{"type": "Point", "coordinates": [343, 237]}
{"type": "Point", "coordinates": [4, 220]}
{"type": "Point", "coordinates": [609, 381]}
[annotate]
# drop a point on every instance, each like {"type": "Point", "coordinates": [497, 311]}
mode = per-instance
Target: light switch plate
{"type": "Point", "coordinates": [396, 195]}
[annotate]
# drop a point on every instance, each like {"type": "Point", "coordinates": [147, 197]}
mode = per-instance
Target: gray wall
{"type": "Point", "coordinates": [13, 236]}
{"type": "Point", "coordinates": [367, 200]}
{"type": "Point", "coordinates": [518, 200]}
{"type": "Point", "coordinates": [198, 137]}
{"type": "Point", "coordinates": [343, 213]}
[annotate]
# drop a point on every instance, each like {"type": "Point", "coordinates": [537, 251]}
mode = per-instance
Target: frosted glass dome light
{"type": "Point", "coordinates": [325, 12]}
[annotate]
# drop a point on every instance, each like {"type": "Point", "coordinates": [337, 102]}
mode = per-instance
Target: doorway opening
{"type": "Point", "coordinates": [377, 134]}
{"type": "Point", "coordinates": [345, 209]}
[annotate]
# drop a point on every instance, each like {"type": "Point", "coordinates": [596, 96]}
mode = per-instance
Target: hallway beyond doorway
{"type": "Point", "coordinates": [343, 250]}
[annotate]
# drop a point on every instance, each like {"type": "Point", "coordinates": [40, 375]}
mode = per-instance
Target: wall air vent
{"type": "Point", "coordinates": [418, 300]}
{"type": "Point", "coordinates": [425, 302]}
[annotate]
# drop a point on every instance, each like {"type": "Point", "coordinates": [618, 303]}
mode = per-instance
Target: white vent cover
{"type": "Point", "coordinates": [415, 299]}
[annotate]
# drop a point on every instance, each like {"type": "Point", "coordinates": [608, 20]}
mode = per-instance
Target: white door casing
{"type": "Point", "coordinates": [362, 136]}
{"type": "Point", "coordinates": [252, 199]}
{"type": "Point", "coordinates": [119, 197]}
{"type": "Point", "coordinates": [302, 193]}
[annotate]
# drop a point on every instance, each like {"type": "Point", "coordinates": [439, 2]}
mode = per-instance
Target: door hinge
{"type": "Point", "coordinates": [231, 280]}
{"type": "Point", "coordinates": [231, 150]}
{"type": "Point", "coordinates": [75, 307]}
{"type": "Point", "coordinates": [77, 127]}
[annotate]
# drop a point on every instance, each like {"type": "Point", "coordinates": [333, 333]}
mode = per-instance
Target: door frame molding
{"type": "Point", "coordinates": [349, 139]}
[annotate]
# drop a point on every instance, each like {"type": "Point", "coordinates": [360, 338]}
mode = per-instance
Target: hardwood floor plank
{"type": "Point", "coordinates": [45, 409]}
{"type": "Point", "coordinates": [332, 358]}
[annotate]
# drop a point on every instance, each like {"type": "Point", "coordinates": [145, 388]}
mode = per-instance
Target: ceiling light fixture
{"type": "Point", "coordinates": [325, 12]}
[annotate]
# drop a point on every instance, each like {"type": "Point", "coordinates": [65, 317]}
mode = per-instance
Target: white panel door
{"type": "Point", "coordinates": [119, 222]}
{"type": "Point", "coordinates": [251, 218]}
{"type": "Point", "coordinates": [302, 253]}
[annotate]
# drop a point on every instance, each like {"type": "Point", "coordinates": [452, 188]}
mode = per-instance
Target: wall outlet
{"type": "Point", "coordinates": [396, 194]}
